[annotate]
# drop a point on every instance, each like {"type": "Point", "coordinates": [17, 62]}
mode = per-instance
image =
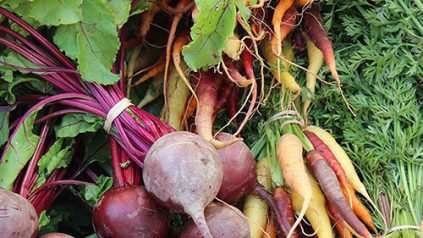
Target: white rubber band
{"type": "Point", "coordinates": [114, 112]}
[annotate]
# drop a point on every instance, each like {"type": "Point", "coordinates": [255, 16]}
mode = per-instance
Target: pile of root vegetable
{"type": "Point", "coordinates": [230, 118]}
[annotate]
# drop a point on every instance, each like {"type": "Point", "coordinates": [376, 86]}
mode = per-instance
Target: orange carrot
{"type": "Point", "coordinates": [157, 68]}
{"type": "Point", "coordinates": [189, 111]}
{"type": "Point", "coordinates": [303, 2]}
{"type": "Point", "coordinates": [289, 153]}
{"type": "Point", "coordinates": [332, 190]}
{"type": "Point", "coordinates": [147, 19]}
{"type": "Point", "coordinates": [270, 230]}
{"type": "Point", "coordinates": [175, 21]}
{"type": "Point", "coordinates": [180, 41]}
{"type": "Point", "coordinates": [359, 209]}
{"type": "Point", "coordinates": [280, 10]}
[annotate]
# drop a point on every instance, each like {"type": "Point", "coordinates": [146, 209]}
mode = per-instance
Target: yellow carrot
{"type": "Point", "coordinates": [316, 214]}
{"type": "Point", "coordinates": [315, 61]}
{"type": "Point", "coordinates": [178, 94]}
{"type": "Point", "coordinates": [284, 77]}
{"type": "Point", "coordinates": [290, 156]}
{"type": "Point", "coordinates": [255, 209]}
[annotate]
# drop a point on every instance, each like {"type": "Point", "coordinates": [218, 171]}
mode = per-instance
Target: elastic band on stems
{"type": "Point", "coordinates": [114, 112]}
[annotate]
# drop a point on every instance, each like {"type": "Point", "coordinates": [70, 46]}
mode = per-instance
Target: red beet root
{"type": "Point", "coordinates": [129, 212]}
{"type": "Point", "coordinates": [239, 170]}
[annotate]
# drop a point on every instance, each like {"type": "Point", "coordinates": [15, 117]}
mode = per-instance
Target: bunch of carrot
{"type": "Point", "coordinates": [319, 183]}
{"type": "Point", "coordinates": [317, 176]}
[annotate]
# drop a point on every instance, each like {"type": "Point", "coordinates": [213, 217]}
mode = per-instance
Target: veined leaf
{"type": "Point", "coordinates": [74, 124]}
{"type": "Point", "coordinates": [53, 12]}
{"type": "Point", "coordinates": [93, 42]}
{"type": "Point", "coordinates": [94, 192]}
{"type": "Point", "coordinates": [215, 23]}
{"type": "Point", "coordinates": [4, 123]}
{"type": "Point", "coordinates": [55, 158]}
{"type": "Point", "coordinates": [18, 152]}
{"type": "Point", "coordinates": [120, 10]}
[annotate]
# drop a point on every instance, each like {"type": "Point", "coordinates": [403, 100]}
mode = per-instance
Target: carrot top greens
{"type": "Point", "coordinates": [378, 47]}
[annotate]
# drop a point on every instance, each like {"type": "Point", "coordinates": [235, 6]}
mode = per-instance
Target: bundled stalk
{"type": "Point", "coordinates": [134, 129]}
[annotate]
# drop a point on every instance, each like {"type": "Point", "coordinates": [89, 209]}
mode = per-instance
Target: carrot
{"type": "Point", "coordinates": [235, 75]}
{"type": "Point", "coordinates": [153, 91]}
{"type": "Point", "coordinates": [343, 159]}
{"type": "Point", "coordinates": [180, 41]}
{"type": "Point", "coordinates": [283, 203]}
{"type": "Point", "coordinates": [313, 27]}
{"type": "Point", "coordinates": [190, 108]}
{"type": "Point", "coordinates": [297, 39]}
{"type": "Point", "coordinates": [339, 222]}
{"type": "Point", "coordinates": [303, 2]}
{"type": "Point", "coordinates": [281, 219]}
{"type": "Point", "coordinates": [284, 77]}
{"type": "Point", "coordinates": [146, 20]}
{"type": "Point", "coordinates": [316, 214]}
{"type": "Point", "coordinates": [157, 68]}
{"type": "Point", "coordinates": [207, 97]}
{"type": "Point", "coordinates": [232, 104]}
{"type": "Point", "coordinates": [315, 61]}
{"type": "Point", "coordinates": [330, 158]}
{"type": "Point", "coordinates": [289, 153]}
{"type": "Point", "coordinates": [247, 60]}
{"type": "Point", "coordinates": [178, 94]}
{"type": "Point", "coordinates": [270, 230]}
{"type": "Point", "coordinates": [359, 209]}
{"type": "Point", "coordinates": [281, 8]}
{"type": "Point", "coordinates": [254, 207]}
{"type": "Point", "coordinates": [288, 22]}
{"type": "Point", "coordinates": [174, 25]}
{"type": "Point", "coordinates": [233, 47]}
{"type": "Point", "coordinates": [224, 93]}
{"type": "Point", "coordinates": [331, 188]}
{"type": "Point", "coordinates": [257, 19]}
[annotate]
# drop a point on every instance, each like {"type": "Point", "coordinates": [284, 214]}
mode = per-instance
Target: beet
{"type": "Point", "coordinates": [223, 222]}
{"type": "Point", "coordinates": [239, 170]}
{"type": "Point", "coordinates": [18, 218]}
{"type": "Point", "coordinates": [184, 172]}
{"type": "Point", "coordinates": [129, 212]}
